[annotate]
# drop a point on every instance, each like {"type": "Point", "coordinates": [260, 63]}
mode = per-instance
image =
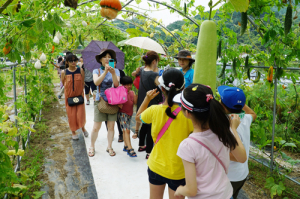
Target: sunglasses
{"type": "Point", "coordinates": [73, 61]}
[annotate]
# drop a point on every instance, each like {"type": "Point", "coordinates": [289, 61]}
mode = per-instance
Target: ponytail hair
{"type": "Point", "coordinates": [149, 57]}
{"type": "Point", "coordinates": [172, 80]}
{"type": "Point", "coordinates": [218, 121]}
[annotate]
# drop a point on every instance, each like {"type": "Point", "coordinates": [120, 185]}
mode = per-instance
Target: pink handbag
{"type": "Point", "coordinates": [117, 95]}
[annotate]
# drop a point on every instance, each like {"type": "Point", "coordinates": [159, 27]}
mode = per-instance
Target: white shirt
{"type": "Point", "coordinates": [239, 171]}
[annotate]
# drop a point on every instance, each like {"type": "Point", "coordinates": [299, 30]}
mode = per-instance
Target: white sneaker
{"type": "Point", "coordinates": [75, 137]}
{"type": "Point", "coordinates": [88, 102]}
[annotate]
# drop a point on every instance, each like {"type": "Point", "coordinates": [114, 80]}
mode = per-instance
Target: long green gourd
{"type": "Point", "coordinates": [206, 67]}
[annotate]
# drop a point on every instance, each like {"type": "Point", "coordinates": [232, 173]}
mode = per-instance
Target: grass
{"type": "Point", "coordinates": [56, 78]}
{"type": "Point", "coordinates": [258, 175]}
{"type": "Point", "coordinates": [32, 163]}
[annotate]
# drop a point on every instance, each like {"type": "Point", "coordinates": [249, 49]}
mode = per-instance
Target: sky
{"type": "Point", "coordinates": [164, 13]}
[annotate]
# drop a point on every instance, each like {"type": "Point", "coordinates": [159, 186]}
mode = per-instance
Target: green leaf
{"type": "Point", "coordinates": [284, 156]}
{"type": "Point", "coordinates": [290, 145]}
{"type": "Point", "coordinates": [269, 183]}
{"type": "Point", "coordinates": [38, 194]}
{"type": "Point", "coordinates": [28, 23]}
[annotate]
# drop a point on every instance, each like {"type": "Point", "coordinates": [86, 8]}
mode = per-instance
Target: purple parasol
{"type": "Point", "coordinates": [94, 48]}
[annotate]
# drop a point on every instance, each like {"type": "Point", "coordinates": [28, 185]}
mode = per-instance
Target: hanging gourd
{"type": "Point", "coordinates": [56, 40]}
{"type": "Point", "coordinates": [43, 57]}
{"type": "Point", "coordinates": [37, 64]}
{"type": "Point", "coordinates": [110, 8]}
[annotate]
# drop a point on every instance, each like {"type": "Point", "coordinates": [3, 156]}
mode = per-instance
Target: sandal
{"type": "Point", "coordinates": [120, 138]}
{"type": "Point", "coordinates": [142, 148]}
{"type": "Point", "coordinates": [125, 148]}
{"type": "Point", "coordinates": [91, 152]}
{"type": "Point", "coordinates": [86, 134]}
{"type": "Point", "coordinates": [147, 156]}
{"type": "Point", "coordinates": [135, 135]}
{"type": "Point", "coordinates": [131, 153]}
{"type": "Point", "coordinates": [113, 153]}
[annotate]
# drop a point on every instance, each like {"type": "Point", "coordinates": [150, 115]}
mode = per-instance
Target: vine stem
{"type": "Point", "coordinates": [210, 8]}
{"type": "Point", "coordinates": [217, 3]}
{"type": "Point", "coordinates": [5, 5]}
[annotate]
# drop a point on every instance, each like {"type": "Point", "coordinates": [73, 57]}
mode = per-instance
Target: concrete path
{"type": "Point", "coordinates": [121, 176]}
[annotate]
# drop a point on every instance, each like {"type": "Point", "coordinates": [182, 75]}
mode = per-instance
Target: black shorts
{"type": "Point", "coordinates": [88, 86]}
{"type": "Point", "coordinates": [156, 179]}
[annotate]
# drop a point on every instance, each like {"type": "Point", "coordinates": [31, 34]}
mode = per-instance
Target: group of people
{"type": "Point", "coordinates": [195, 144]}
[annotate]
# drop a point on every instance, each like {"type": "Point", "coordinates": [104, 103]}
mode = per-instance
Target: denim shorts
{"type": "Point", "coordinates": [156, 179]}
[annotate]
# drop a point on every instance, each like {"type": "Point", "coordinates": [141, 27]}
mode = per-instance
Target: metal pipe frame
{"type": "Point", "coordinates": [135, 24]}
{"type": "Point", "coordinates": [288, 68]}
{"type": "Point", "coordinates": [266, 165]}
{"type": "Point", "coordinates": [184, 15]}
{"type": "Point", "coordinates": [106, 19]}
{"type": "Point", "coordinates": [155, 22]}
{"type": "Point", "coordinates": [273, 124]}
{"type": "Point", "coordinates": [164, 4]}
{"type": "Point", "coordinates": [142, 29]}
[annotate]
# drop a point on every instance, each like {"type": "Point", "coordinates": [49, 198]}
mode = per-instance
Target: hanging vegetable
{"type": "Point", "coordinates": [234, 67]}
{"type": "Point", "coordinates": [58, 35]}
{"type": "Point", "coordinates": [37, 64]}
{"type": "Point", "coordinates": [56, 40]}
{"type": "Point", "coordinates": [6, 48]}
{"type": "Point", "coordinates": [43, 57]}
{"type": "Point", "coordinates": [53, 48]}
{"type": "Point", "coordinates": [270, 74]}
{"type": "Point", "coordinates": [27, 56]}
{"type": "Point", "coordinates": [288, 19]}
{"type": "Point", "coordinates": [84, 23]}
{"type": "Point", "coordinates": [205, 66]}
{"type": "Point", "coordinates": [110, 8]}
{"type": "Point", "coordinates": [244, 21]}
{"type": "Point", "coordinates": [223, 69]}
{"type": "Point", "coordinates": [247, 68]}
{"type": "Point", "coordinates": [257, 78]}
{"type": "Point", "coordinates": [71, 3]}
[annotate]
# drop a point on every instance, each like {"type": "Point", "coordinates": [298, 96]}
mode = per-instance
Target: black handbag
{"type": "Point", "coordinates": [73, 101]}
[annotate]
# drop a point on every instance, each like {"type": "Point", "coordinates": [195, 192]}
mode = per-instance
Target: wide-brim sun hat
{"type": "Point", "coordinates": [103, 52]}
{"type": "Point", "coordinates": [185, 54]}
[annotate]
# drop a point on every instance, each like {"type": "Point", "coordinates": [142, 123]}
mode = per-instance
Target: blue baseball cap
{"type": "Point", "coordinates": [232, 97]}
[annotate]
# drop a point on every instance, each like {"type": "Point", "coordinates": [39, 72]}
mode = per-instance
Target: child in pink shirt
{"type": "Point", "coordinates": [125, 114]}
{"type": "Point", "coordinates": [205, 153]}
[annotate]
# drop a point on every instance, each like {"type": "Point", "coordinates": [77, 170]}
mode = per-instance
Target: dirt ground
{"type": "Point", "coordinates": [59, 152]}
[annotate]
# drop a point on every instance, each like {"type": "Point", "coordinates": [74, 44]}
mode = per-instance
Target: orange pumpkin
{"type": "Point", "coordinates": [6, 48]}
{"type": "Point", "coordinates": [110, 8]}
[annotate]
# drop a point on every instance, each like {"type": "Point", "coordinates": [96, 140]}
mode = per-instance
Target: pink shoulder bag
{"type": "Point", "coordinates": [117, 95]}
{"type": "Point", "coordinates": [210, 151]}
{"type": "Point", "coordinates": [167, 124]}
